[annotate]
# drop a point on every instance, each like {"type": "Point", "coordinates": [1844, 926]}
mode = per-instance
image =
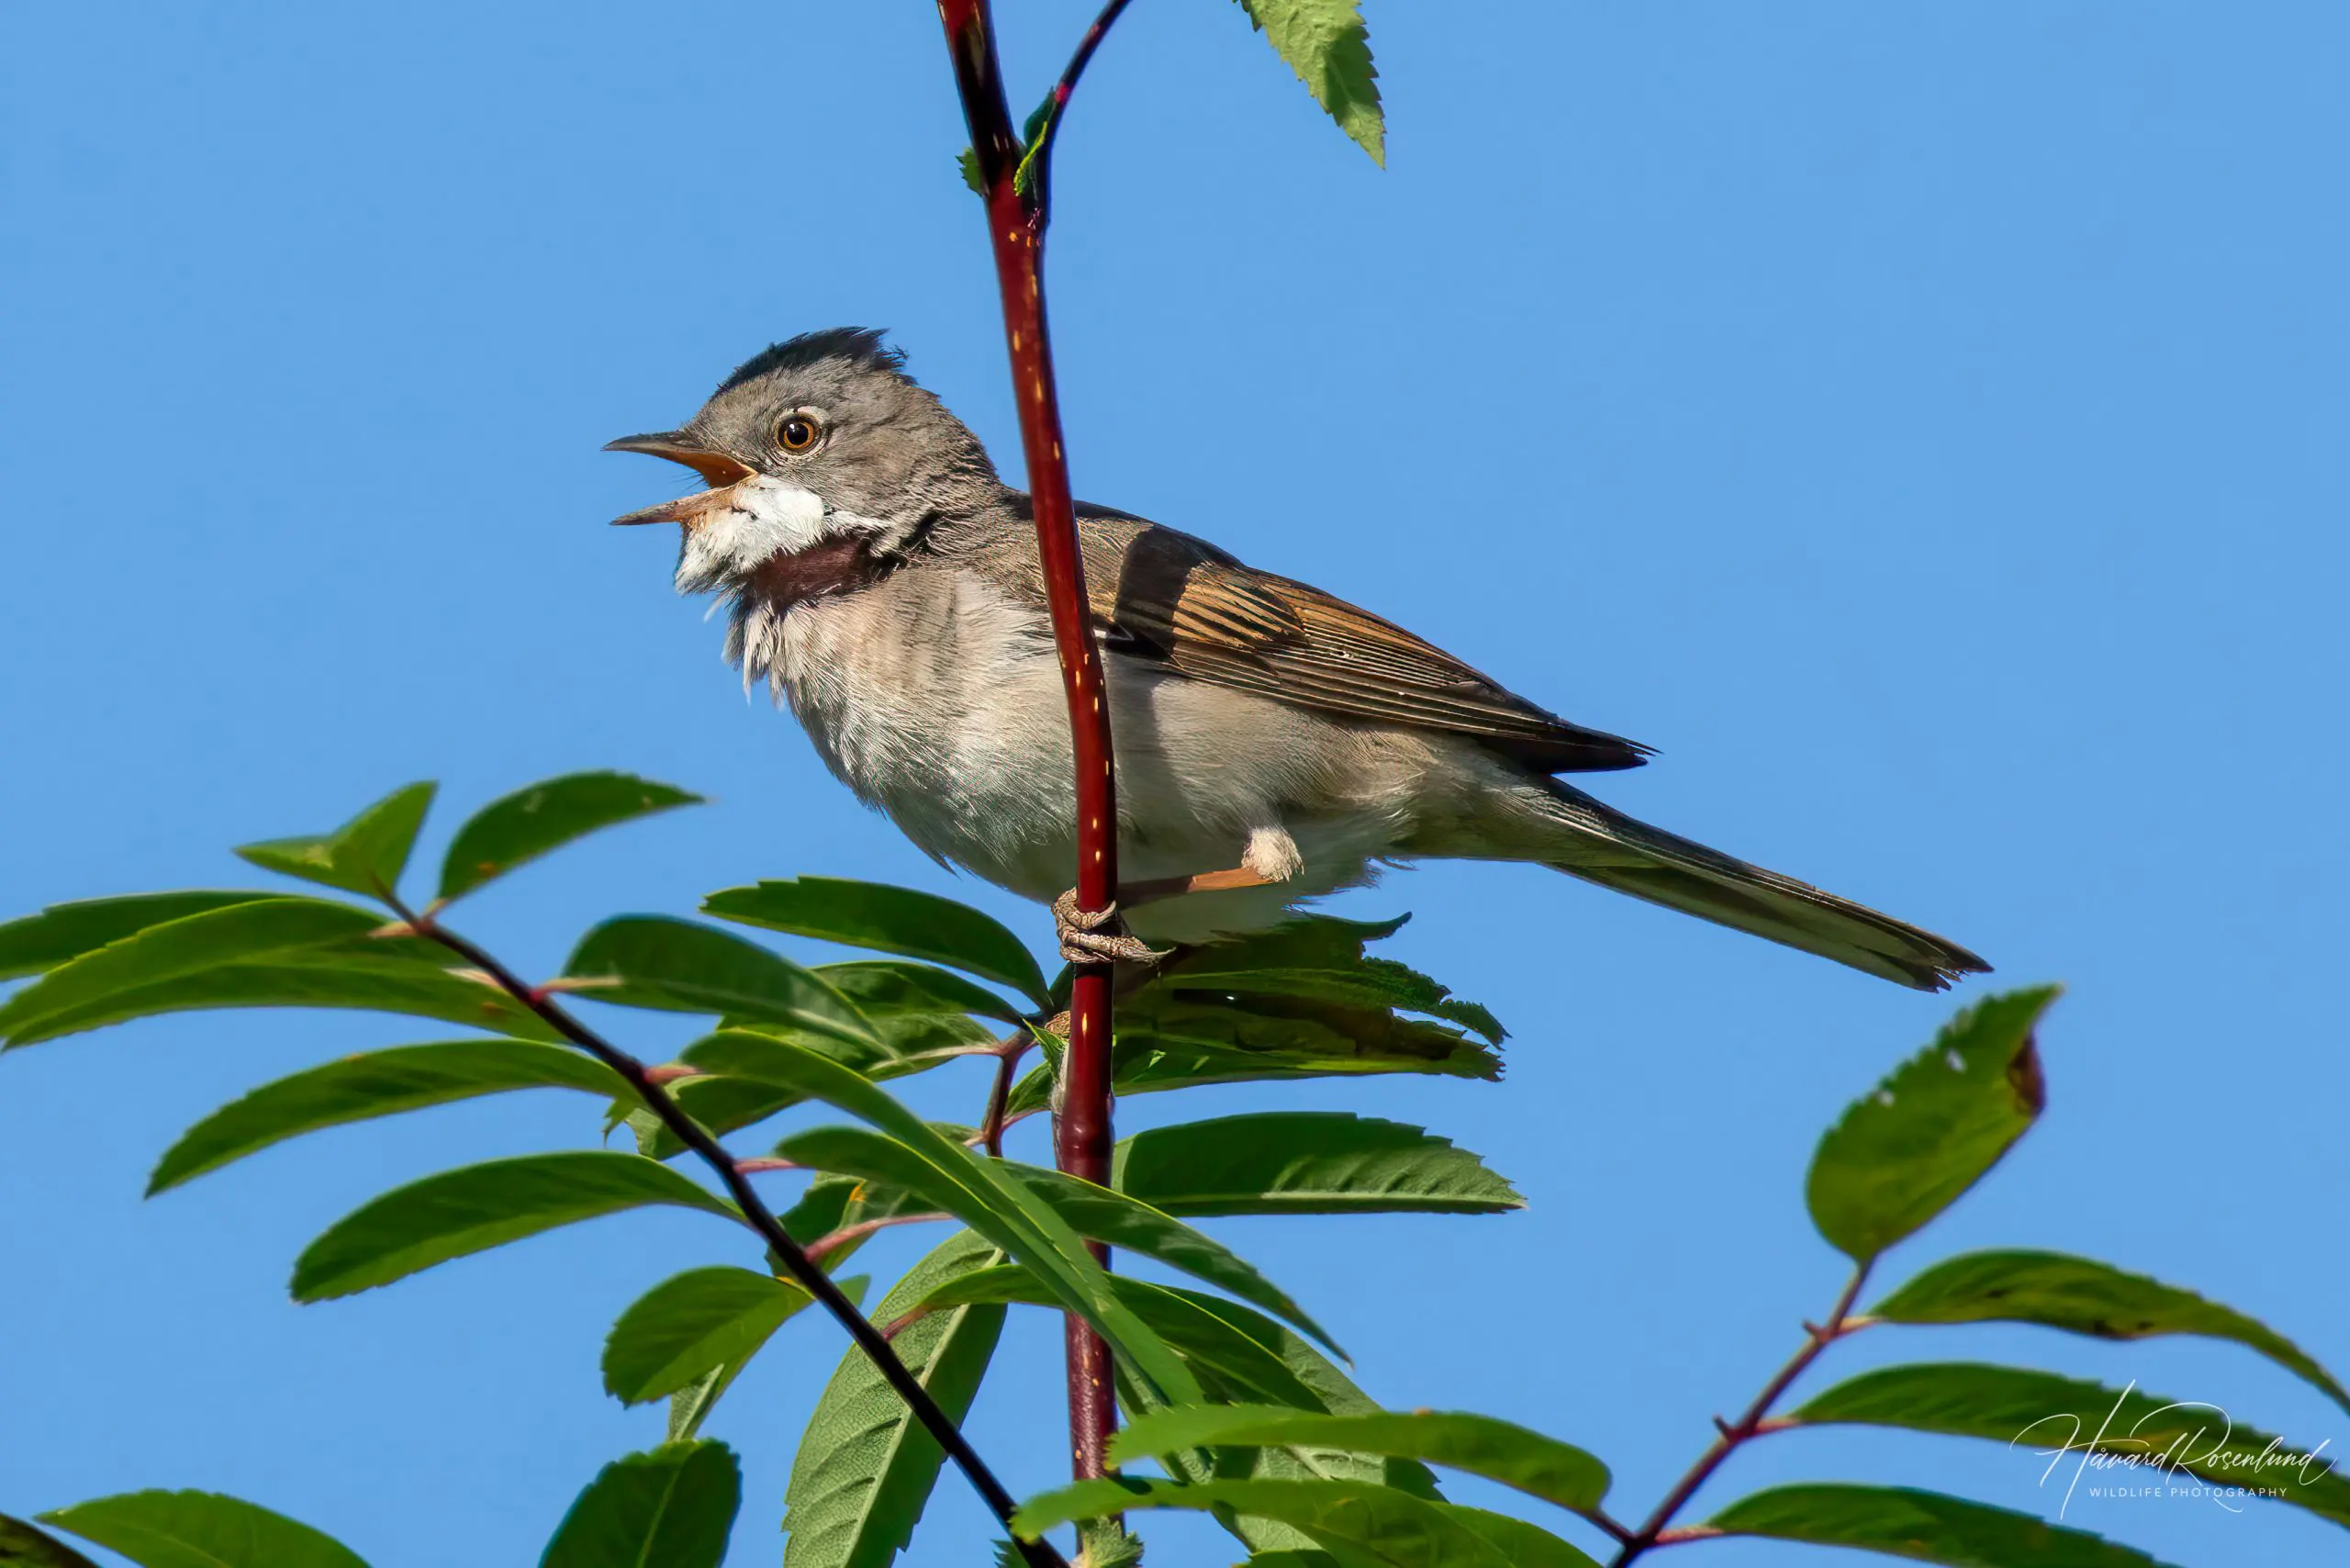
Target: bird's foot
{"type": "Point", "coordinates": [1098, 936]}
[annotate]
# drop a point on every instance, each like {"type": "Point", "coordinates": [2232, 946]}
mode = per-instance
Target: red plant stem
{"type": "Point", "coordinates": [1656, 1531]}
{"type": "Point", "coordinates": [1016, 221]}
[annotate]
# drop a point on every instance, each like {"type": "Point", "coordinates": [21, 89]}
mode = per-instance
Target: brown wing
{"type": "Point", "coordinates": [1173, 597]}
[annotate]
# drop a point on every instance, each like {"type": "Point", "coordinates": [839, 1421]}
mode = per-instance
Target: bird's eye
{"type": "Point", "coordinates": [797, 433]}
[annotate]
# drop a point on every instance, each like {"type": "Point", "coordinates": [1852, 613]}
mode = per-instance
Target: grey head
{"type": "Point", "coordinates": [824, 444]}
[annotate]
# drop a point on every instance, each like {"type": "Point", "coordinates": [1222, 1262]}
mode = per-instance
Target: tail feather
{"type": "Point", "coordinates": [1620, 852]}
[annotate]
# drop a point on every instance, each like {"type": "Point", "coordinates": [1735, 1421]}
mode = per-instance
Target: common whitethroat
{"type": "Point", "coordinates": [1274, 744]}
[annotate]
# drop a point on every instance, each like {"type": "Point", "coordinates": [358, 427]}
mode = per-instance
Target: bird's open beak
{"type": "Point", "coordinates": [720, 471]}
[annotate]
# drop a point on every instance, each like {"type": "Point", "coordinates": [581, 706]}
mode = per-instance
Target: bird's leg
{"type": "Point", "coordinates": [1098, 935]}
{"type": "Point", "coordinates": [1271, 857]}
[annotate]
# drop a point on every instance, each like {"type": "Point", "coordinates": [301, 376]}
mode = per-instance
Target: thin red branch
{"type": "Point", "coordinates": [1036, 171]}
{"type": "Point", "coordinates": [1008, 1053]}
{"type": "Point", "coordinates": [1016, 222]}
{"type": "Point", "coordinates": [1658, 1530]}
{"type": "Point", "coordinates": [647, 1083]}
{"type": "Point", "coordinates": [831, 1242]}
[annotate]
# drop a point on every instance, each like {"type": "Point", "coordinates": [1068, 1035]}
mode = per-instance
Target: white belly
{"type": "Point", "coordinates": [939, 700]}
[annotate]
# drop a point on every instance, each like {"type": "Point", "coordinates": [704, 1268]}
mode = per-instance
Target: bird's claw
{"type": "Point", "coordinates": [1098, 936]}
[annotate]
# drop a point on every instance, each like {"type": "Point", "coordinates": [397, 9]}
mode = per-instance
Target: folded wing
{"type": "Point", "coordinates": [1160, 593]}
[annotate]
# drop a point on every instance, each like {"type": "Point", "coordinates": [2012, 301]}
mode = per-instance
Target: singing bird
{"type": "Point", "coordinates": [1274, 744]}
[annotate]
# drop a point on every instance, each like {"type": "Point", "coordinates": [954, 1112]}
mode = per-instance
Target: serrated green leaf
{"type": "Point", "coordinates": [520, 827]}
{"type": "Point", "coordinates": [724, 1103]}
{"type": "Point", "coordinates": [1234, 1353]}
{"type": "Point", "coordinates": [24, 1546]}
{"type": "Point", "coordinates": [461, 1211]}
{"type": "Point", "coordinates": [883, 988]}
{"type": "Point", "coordinates": [64, 931]}
{"type": "Point", "coordinates": [193, 944]}
{"type": "Point", "coordinates": [957, 1181]}
{"type": "Point", "coordinates": [1003, 1211]}
{"type": "Point", "coordinates": [689, 1407]}
{"type": "Point", "coordinates": [678, 967]}
{"type": "Point", "coordinates": [325, 978]}
{"type": "Point", "coordinates": [865, 1467]}
{"type": "Point", "coordinates": [670, 1508]}
{"type": "Point", "coordinates": [200, 1530]}
{"type": "Point", "coordinates": [1540, 1466]}
{"type": "Point", "coordinates": [1168, 1039]}
{"type": "Point", "coordinates": [1385, 1526]}
{"type": "Point", "coordinates": [1325, 43]}
{"type": "Point", "coordinates": [366, 855]}
{"type": "Point", "coordinates": [2084, 1296]}
{"type": "Point", "coordinates": [691, 1325]}
{"type": "Point", "coordinates": [1305, 1162]}
{"type": "Point", "coordinates": [1924, 1527]}
{"type": "Point", "coordinates": [891, 920]}
{"type": "Point", "coordinates": [376, 1083]}
{"type": "Point", "coordinates": [1101, 1213]}
{"type": "Point", "coordinates": [1107, 1543]}
{"type": "Point", "coordinates": [2043, 1413]}
{"type": "Point", "coordinates": [1930, 1131]}
{"type": "Point", "coordinates": [1318, 957]}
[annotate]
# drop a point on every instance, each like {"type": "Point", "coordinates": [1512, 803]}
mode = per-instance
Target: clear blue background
{"type": "Point", "coordinates": [1923, 423]}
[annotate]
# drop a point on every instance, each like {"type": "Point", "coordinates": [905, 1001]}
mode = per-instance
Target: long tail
{"type": "Point", "coordinates": [1604, 846]}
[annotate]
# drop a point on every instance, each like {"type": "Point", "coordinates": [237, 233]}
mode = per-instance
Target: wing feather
{"type": "Point", "coordinates": [1216, 620]}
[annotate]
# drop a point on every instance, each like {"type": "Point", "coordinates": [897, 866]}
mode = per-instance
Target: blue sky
{"type": "Point", "coordinates": [1923, 424]}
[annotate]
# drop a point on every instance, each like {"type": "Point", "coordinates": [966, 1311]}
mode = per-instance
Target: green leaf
{"type": "Point", "coordinates": [1233, 1353]}
{"type": "Point", "coordinates": [1540, 1466]}
{"type": "Point", "coordinates": [689, 1407]}
{"type": "Point", "coordinates": [1100, 1214]}
{"type": "Point", "coordinates": [1321, 957]}
{"type": "Point", "coordinates": [480, 1206]}
{"type": "Point", "coordinates": [1223, 1358]}
{"type": "Point", "coordinates": [2054, 1417]}
{"type": "Point", "coordinates": [1924, 1527]}
{"type": "Point", "coordinates": [1305, 1162]}
{"type": "Point", "coordinates": [670, 1508]}
{"type": "Point", "coordinates": [2084, 1296]}
{"type": "Point", "coordinates": [200, 1530]}
{"type": "Point", "coordinates": [193, 944]}
{"type": "Point", "coordinates": [24, 1546]}
{"type": "Point", "coordinates": [377, 1084]}
{"type": "Point", "coordinates": [865, 1467]}
{"type": "Point", "coordinates": [691, 1325]}
{"type": "Point", "coordinates": [1166, 1039]}
{"type": "Point", "coordinates": [678, 966]}
{"type": "Point", "coordinates": [882, 988]}
{"type": "Point", "coordinates": [546, 816]}
{"type": "Point", "coordinates": [1003, 1211]}
{"type": "Point", "coordinates": [891, 920]}
{"type": "Point", "coordinates": [1238, 1355]}
{"type": "Point", "coordinates": [366, 855]}
{"type": "Point", "coordinates": [1373, 1522]}
{"type": "Point", "coordinates": [952, 1178]}
{"type": "Point", "coordinates": [1325, 43]}
{"type": "Point", "coordinates": [724, 1103]}
{"type": "Point", "coordinates": [63, 931]}
{"type": "Point", "coordinates": [331, 978]}
{"type": "Point", "coordinates": [1928, 1133]}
